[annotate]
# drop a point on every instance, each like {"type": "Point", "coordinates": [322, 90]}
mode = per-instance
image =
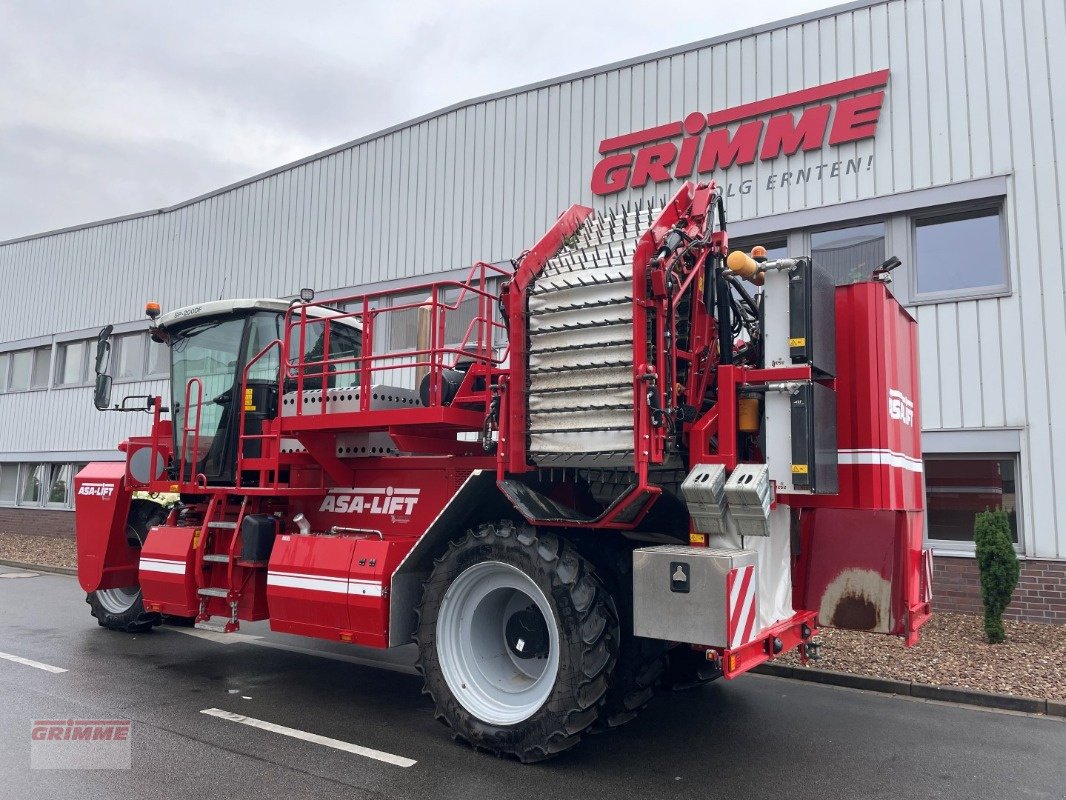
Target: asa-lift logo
{"type": "Point", "coordinates": [844, 111]}
{"type": "Point", "coordinates": [388, 500]}
{"type": "Point", "coordinates": [102, 490]}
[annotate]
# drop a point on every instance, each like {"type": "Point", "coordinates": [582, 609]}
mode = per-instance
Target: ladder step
{"type": "Point", "coordinates": [217, 558]}
{"type": "Point", "coordinates": [214, 627]}
{"type": "Point", "coordinates": [211, 591]}
{"type": "Point", "coordinates": [226, 525]}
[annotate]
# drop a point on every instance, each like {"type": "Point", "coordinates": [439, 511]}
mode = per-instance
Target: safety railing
{"type": "Point", "coordinates": [309, 330]}
{"type": "Point", "coordinates": [194, 430]}
{"type": "Point", "coordinates": [269, 440]}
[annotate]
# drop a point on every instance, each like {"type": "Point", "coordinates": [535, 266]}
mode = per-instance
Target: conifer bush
{"type": "Point", "coordinates": [998, 564]}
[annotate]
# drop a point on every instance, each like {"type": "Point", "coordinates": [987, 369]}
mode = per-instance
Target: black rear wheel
{"type": "Point", "coordinates": [122, 609]}
{"type": "Point", "coordinates": [516, 640]}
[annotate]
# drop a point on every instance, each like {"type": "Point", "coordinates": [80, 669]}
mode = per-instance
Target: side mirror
{"type": "Point", "coordinates": [102, 393]}
{"type": "Point", "coordinates": [103, 349]}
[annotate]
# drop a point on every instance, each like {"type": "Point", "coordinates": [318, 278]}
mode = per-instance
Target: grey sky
{"type": "Point", "coordinates": [109, 108]}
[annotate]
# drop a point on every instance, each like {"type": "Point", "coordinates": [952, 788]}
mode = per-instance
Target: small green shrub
{"type": "Point", "coordinates": [999, 568]}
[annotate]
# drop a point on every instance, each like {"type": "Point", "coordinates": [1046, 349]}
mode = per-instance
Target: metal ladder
{"type": "Point", "coordinates": [209, 558]}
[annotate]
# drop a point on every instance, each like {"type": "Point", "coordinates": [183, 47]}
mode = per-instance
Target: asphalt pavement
{"type": "Point", "coordinates": [317, 719]}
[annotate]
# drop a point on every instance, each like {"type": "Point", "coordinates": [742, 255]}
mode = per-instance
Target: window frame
{"type": "Point", "coordinates": [67, 476]}
{"type": "Point", "coordinates": [26, 470]}
{"type": "Point", "coordinates": [10, 364]}
{"type": "Point", "coordinates": [32, 350]}
{"type": "Point", "coordinates": [115, 357]}
{"type": "Point", "coordinates": [884, 221]}
{"type": "Point", "coordinates": [959, 211]}
{"type": "Point", "coordinates": [149, 343]}
{"type": "Point", "coordinates": [23, 470]}
{"type": "Point", "coordinates": [967, 548]}
{"type": "Point", "coordinates": [86, 376]}
{"type": "Point", "coordinates": [14, 502]}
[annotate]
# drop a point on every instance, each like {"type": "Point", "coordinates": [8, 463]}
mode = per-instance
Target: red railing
{"type": "Point", "coordinates": [269, 439]}
{"type": "Point", "coordinates": [194, 430]}
{"type": "Point", "coordinates": [370, 312]}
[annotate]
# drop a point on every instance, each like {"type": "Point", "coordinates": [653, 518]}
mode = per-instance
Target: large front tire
{"type": "Point", "coordinates": [122, 609]}
{"type": "Point", "coordinates": [516, 640]}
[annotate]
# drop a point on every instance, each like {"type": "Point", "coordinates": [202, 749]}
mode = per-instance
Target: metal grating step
{"type": "Point", "coordinates": [212, 591]}
{"type": "Point", "coordinates": [217, 558]}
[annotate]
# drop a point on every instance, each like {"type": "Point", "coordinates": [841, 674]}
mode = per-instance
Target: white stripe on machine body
{"type": "Point", "coordinates": [324, 583]}
{"type": "Point", "coordinates": [887, 458]}
{"type": "Point", "coordinates": [162, 565]}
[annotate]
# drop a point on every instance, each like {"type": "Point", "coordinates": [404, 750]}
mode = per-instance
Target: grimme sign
{"type": "Point", "coordinates": [707, 144]}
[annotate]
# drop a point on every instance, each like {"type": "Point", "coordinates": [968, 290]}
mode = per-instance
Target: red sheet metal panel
{"type": "Point", "coordinates": [307, 584]}
{"type": "Point", "coordinates": [167, 571]}
{"type": "Point", "coordinates": [861, 560]}
{"type": "Point", "coordinates": [864, 569]}
{"type": "Point", "coordinates": [879, 435]}
{"type": "Point", "coordinates": [101, 504]}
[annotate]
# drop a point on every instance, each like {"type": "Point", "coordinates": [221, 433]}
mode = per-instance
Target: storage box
{"type": "Point", "coordinates": [682, 594]}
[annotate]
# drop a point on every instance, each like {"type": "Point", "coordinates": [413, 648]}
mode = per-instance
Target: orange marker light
{"type": "Point", "coordinates": [151, 309]}
{"type": "Point", "coordinates": [758, 252]}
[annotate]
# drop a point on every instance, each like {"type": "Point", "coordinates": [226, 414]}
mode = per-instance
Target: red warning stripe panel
{"type": "Point", "coordinates": [742, 608]}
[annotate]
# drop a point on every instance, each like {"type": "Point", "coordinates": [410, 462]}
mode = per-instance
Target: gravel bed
{"type": "Point", "coordinates": [47, 551]}
{"type": "Point", "coordinates": [953, 652]}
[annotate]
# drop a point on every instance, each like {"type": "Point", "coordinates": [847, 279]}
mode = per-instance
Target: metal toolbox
{"type": "Point", "coordinates": [681, 594]}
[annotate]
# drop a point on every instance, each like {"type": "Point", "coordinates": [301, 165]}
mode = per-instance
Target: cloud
{"type": "Point", "coordinates": [118, 106]}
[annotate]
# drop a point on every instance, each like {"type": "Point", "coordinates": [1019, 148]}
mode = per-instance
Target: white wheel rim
{"type": "Point", "coordinates": [478, 648]}
{"type": "Point", "coordinates": [118, 601]}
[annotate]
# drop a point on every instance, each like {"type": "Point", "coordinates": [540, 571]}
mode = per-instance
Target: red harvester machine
{"type": "Point", "coordinates": [620, 464]}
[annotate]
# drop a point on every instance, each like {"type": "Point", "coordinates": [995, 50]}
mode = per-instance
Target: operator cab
{"type": "Point", "coordinates": [212, 345]}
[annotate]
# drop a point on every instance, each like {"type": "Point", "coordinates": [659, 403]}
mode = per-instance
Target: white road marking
{"type": "Point", "coordinates": [19, 575]}
{"type": "Point", "coordinates": [30, 663]}
{"type": "Point", "coordinates": [314, 738]}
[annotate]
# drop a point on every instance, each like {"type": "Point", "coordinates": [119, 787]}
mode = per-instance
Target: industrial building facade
{"type": "Point", "coordinates": [927, 129]}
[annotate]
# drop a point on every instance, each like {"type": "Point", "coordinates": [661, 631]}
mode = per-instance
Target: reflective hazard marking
{"type": "Point", "coordinates": [314, 738]}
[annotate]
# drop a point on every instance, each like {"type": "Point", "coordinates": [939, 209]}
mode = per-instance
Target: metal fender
{"type": "Point", "coordinates": [478, 500]}
{"type": "Point", "coordinates": [102, 504]}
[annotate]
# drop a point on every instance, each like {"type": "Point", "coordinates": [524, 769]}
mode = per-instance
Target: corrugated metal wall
{"type": "Point", "coordinates": [975, 89]}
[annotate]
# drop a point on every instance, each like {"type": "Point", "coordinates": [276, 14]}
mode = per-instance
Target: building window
{"type": "Point", "coordinates": [9, 481]}
{"type": "Point", "coordinates": [128, 356]}
{"type": "Point", "coordinates": [159, 359]}
{"type": "Point", "coordinates": [72, 363]}
{"type": "Point", "coordinates": [957, 488]}
{"type": "Point", "coordinates": [403, 325]}
{"type": "Point", "coordinates": [849, 254]}
{"type": "Point", "coordinates": [460, 328]}
{"type": "Point", "coordinates": [26, 369]}
{"type": "Point", "coordinates": [959, 254]}
{"type": "Point", "coordinates": [58, 485]}
{"type": "Point", "coordinates": [33, 484]}
{"type": "Point", "coordinates": [38, 485]}
{"type": "Point", "coordinates": [775, 248]}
